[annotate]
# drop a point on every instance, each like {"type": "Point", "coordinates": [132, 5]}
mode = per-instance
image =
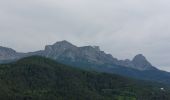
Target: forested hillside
{"type": "Point", "coordinates": [38, 78]}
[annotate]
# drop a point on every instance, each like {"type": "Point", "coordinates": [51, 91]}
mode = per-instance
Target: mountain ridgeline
{"type": "Point", "coordinates": [64, 50]}
{"type": "Point", "coordinates": [39, 78]}
{"type": "Point", "coordinates": [92, 58]}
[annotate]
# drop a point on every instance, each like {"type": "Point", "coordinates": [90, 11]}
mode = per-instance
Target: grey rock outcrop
{"type": "Point", "coordinates": [65, 51]}
{"type": "Point", "coordinates": [8, 54]}
{"type": "Point", "coordinates": [140, 62]}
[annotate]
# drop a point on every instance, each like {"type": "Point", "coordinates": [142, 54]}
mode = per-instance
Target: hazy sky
{"type": "Point", "coordinates": [123, 28]}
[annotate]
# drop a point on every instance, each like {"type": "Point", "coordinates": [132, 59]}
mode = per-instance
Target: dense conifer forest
{"type": "Point", "coordinates": [38, 78]}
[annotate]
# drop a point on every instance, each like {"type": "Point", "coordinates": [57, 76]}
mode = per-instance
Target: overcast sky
{"type": "Point", "coordinates": [123, 28]}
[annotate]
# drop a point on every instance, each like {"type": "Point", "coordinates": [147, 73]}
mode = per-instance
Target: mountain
{"type": "Point", "coordinates": [38, 78]}
{"type": "Point", "coordinates": [65, 51]}
{"type": "Point", "coordinates": [141, 62]}
{"type": "Point", "coordinates": [92, 58]}
{"type": "Point", "coordinates": [7, 53]}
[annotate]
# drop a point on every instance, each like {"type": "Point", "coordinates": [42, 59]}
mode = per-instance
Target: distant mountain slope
{"type": "Point", "coordinates": [63, 50]}
{"type": "Point", "coordinates": [92, 58]}
{"type": "Point", "coordinates": [7, 54]}
{"type": "Point", "coordinates": [37, 78]}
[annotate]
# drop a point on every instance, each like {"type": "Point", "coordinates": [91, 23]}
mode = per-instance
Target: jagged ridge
{"type": "Point", "coordinates": [92, 58]}
{"type": "Point", "coordinates": [63, 50]}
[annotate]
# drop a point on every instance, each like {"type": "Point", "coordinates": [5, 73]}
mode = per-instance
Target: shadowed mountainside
{"type": "Point", "coordinates": [38, 78]}
{"type": "Point", "coordinates": [92, 58]}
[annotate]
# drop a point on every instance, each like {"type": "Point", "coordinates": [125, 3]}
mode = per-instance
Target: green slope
{"type": "Point", "coordinates": [37, 78]}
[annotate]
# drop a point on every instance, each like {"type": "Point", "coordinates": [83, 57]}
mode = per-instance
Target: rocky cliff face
{"type": "Point", "coordinates": [90, 54]}
{"type": "Point", "coordinates": [8, 54]}
{"type": "Point", "coordinates": [65, 51]}
{"type": "Point", "coordinates": [138, 62]}
{"type": "Point", "coordinates": [58, 49]}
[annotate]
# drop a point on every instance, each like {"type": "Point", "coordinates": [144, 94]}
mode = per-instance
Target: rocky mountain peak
{"type": "Point", "coordinates": [141, 62]}
{"type": "Point", "coordinates": [62, 45]}
{"type": "Point", "coordinates": [139, 57]}
{"type": "Point", "coordinates": [64, 42]}
{"type": "Point", "coordinates": [58, 49]}
{"type": "Point", "coordinates": [5, 49]}
{"type": "Point", "coordinates": [67, 52]}
{"type": "Point", "coordinates": [7, 53]}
